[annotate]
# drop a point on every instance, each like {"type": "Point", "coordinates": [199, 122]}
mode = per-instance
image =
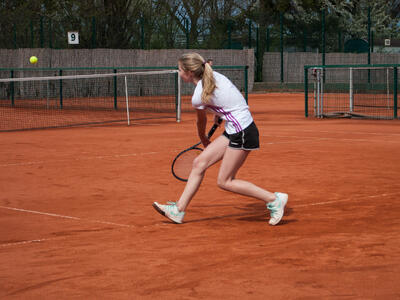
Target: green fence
{"type": "Point", "coordinates": [322, 32]}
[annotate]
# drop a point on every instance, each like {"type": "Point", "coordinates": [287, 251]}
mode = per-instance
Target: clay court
{"type": "Point", "coordinates": [76, 215]}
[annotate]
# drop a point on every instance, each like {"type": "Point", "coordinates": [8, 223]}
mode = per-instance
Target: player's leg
{"type": "Point", "coordinates": [212, 154]}
{"type": "Point", "coordinates": [231, 163]}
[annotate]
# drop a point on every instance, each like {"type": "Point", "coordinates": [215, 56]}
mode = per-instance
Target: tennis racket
{"type": "Point", "coordinates": [182, 164]}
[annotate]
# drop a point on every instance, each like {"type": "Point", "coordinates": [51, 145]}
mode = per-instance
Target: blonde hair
{"type": "Point", "coordinates": [195, 63]}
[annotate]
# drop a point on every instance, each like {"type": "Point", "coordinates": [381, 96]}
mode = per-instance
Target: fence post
{"type": "Point", "coordinates": [281, 43]}
{"type": "Point", "coordinates": [141, 33]}
{"type": "Point", "coordinates": [250, 34]}
{"type": "Point", "coordinates": [15, 36]}
{"type": "Point", "coordinates": [372, 42]}
{"type": "Point", "coordinates": [50, 35]}
{"type": "Point", "coordinates": [31, 27]}
{"type": "Point", "coordinates": [395, 82]}
{"type": "Point", "coordinates": [369, 35]}
{"type": "Point", "coordinates": [229, 34]}
{"type": "Point", "coordinates": [187, 33]}
{"type": "Point", "coordinates": [323, 37]}
{"type": "Point", "coordinates": [369, 42]}
{"type": "Point", "coordinates": [94, 40]}
{"type": "Point", "coordinates": [258, 59]}
{"type": "Point", "coordinates": [41, 33]}
{"type": "Point", "coordinates": [305, 92]}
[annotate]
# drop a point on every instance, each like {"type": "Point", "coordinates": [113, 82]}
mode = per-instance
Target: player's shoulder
{"type": "Point", "coordinates": [198, 89]}
{"type": "Point", "coordinates": [220, 77]}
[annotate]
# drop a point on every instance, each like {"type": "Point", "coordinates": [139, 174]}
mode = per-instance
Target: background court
{"type": "Point", "coordinates": [76, 217]}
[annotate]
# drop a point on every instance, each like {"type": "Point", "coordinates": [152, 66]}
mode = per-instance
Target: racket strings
{"type": "Point", "coordinates": [184, 162]}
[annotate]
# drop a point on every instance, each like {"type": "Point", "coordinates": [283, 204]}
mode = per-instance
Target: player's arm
{"type": "Point", "coordinates": [217, 120]}
{"type": "Point", "coordinates": [201, 126]}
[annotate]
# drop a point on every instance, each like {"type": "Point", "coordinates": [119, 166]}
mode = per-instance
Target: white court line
{"type": "Point", "coordinates": [130, 226]}
{"type": "Point", "coordinates": [25, 242]}
{"type": "Point", "coordinates": [344, 200]}
{"type": "Point", "coordinates": [63, 216]}
{"type": "Point", "coordinates": [57, 216]}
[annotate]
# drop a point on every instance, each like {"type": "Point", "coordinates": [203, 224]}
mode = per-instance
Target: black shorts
{"type": "Point", "coordinates": [246, 139]}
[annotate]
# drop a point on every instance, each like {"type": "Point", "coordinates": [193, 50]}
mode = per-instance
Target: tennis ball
{"type": "Point", "coordinates": [33, 59]}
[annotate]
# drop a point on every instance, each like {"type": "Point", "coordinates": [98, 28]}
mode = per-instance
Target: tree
{"type": "Point", "coordinates": [353, 16]}
{"type": "Point", "coordinates": [224, 17]}
{"type": "Point", "coordinates": [187, 15]}
{"type": "Point", "coordinates": [21, 22]}
{"type": "Point", "coordinates": [120, 23]}
{"type": "Point", "coordinates": [106, 23]}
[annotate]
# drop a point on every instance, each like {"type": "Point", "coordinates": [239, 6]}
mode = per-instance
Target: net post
{"type": "Point", "coordinates": [115, 91]}
{"type": "Point", "coordinates": [127, 101]}
{"type": "Point", "coordinates": [323, 72]}
{"type": "Point", "coordinates": [12, 89]}
{"type": "Point", "coordinates": [351, 96]}
{"type": "Point", "coordinates": [178, 97]}
{"type": "Point", "coordinates": [61, 89]}
{"type": "Point", "coordinates": [306, 92]}
{"type": "Point", "coordinates": [395, 82]}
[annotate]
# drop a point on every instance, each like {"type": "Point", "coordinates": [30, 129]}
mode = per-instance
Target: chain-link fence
{"type": "Point", "coordinates": [321, 33]}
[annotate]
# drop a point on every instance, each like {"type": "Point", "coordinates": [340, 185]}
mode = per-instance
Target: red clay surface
{"type": "Point", "coordinates": [76, 219]}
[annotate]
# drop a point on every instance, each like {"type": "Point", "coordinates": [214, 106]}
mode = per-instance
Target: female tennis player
{"type": "Point", "coordinates": [217, 94]}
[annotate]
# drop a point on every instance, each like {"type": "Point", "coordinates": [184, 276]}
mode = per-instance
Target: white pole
{"type": "Point", "coordinates": [127, 101]}
{"type": "Point", "coordinates": [351, 99]}
{"type": "Point", "coordinates": [322, 93]}
{"type": "Point", "coordinates": [315, 96]}
{"type": "Point", "coordinates": [178, 113]}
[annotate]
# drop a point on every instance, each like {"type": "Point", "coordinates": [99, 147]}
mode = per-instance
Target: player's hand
{"type": "Point", "coordinates": [205, 141]}
{"type": "Point", "coordinates": [217, 120]}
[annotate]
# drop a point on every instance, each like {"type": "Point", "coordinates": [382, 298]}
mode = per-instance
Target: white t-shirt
{"type": "Point", "coordinates": [227, 102]}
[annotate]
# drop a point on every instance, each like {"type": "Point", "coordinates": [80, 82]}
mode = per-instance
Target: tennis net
{"type": "Point", "coordinates": [361, 91]}
{"type": "Point", "coordinates": [59, 100]}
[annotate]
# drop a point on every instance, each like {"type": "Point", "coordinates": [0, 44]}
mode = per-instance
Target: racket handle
{"type": "Point", "coordinates": [215, 126]}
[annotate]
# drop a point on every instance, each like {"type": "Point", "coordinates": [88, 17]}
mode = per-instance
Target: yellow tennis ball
{"type": "Point", "coordinates": [33, 59]}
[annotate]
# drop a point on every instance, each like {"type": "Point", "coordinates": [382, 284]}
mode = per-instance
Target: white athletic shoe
{"type": "Point", "coordinates": [170, 211]}
{"type": "Point", "coordinates": [277, 208]}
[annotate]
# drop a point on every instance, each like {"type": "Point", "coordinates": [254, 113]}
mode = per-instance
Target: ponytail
{"type": "Point", "coordinates": [201, 70]}
{"type": "Point", "coordinates": [208, 84]}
